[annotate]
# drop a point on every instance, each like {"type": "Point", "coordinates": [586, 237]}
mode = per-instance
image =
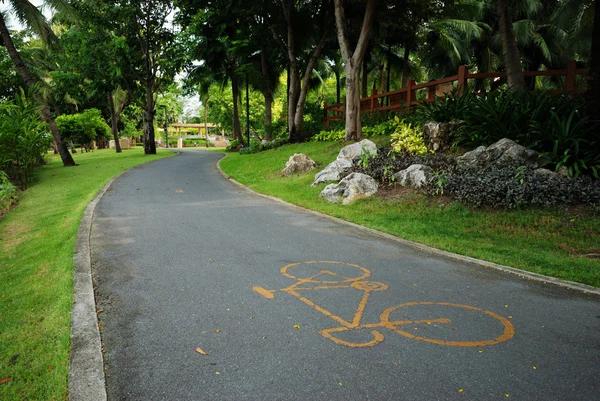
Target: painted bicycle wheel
{"type": "Point", "coordinates": [447, 324]}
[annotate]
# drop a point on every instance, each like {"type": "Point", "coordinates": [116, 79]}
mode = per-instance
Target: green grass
{"type": "Point", "coordinates": [37, 241]}
{"type": "Point", "coordinates": [546, 241]}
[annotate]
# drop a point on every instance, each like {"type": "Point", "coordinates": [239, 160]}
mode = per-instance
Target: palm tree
{"type": "Point", "coordinates": [28, 15]}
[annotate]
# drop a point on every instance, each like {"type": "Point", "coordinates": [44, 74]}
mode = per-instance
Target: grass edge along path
{"type": "Point", "coordinates": [37, 242]}
{"type": "Point", "coordinates": [552, 242]}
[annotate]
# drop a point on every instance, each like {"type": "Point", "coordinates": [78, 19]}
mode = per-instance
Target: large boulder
{"type": "Point", "coordinates": [355, 186]}
{"type": "Point", "coordinates": [415, 176]}
{"type": "Point", "coordinates": [336, 169]}
{"type": "Point", "coordinates": [500, 153]}
{"type": "Point", "coordinates": [437, 135]}
{"type": "Point", "coordinates": [298, 163]}
{"type": "Point", "coordinates": [354, 151]}
{"type": "Point", "coordinates": [333, 172]}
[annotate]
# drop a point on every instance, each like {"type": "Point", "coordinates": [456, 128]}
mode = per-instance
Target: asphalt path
{"type": "Point", "coordinates": [289, 305]}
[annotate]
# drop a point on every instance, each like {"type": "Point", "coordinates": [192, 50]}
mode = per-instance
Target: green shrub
{"type": "Point", "coordinates": [443, 109]}
{"type": "Point", "coordinates": [24, 138]}
{"type": "Point", "coordinates": [256, 146]}
{"type": "Point", "coordinates": [552, 124]}
{"type": "Point", "coordinates": [381, 129]}
{"type": "Point", "coordinates": [329, 136]}
{"type": "Point", "coordinates": [83, 128]}
{"type": "Point", "coordinates": [407, 138]}
{"type": "Point", "coordinates": [8, 192]}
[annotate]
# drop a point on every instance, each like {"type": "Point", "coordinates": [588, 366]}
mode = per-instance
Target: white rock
{"type": "Point", "coordinates": [298, 163]}
{"type": "Point", "coordinates": [355, 186]}
{"type": "Point", "coordinates": [333, 172]}
{"type": "Point", "coordinates": [354, 151]}
{"type": "Point", "coordinates": [414, 176]}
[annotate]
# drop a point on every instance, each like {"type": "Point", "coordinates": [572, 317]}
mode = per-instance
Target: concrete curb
{"type": "Point", "coordinates": [587, 289]}
{"type": "Point", "coordinates": [86, 365]}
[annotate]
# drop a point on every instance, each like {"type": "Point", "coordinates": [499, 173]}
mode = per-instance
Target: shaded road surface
{"type": "Point", "coordinates": [293, 306]}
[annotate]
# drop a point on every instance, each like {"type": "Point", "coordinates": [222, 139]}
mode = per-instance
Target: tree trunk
{"type": "Point", "coordinates": [149, 143]}
{"type": "Point", "coordinates": [337, 86]}
{"type": "Point", "coordinates": [205, 127]}
{"type": "Point", "coordinates": [405, 68]}
{"type": "Point", "coordinates": [510, 50]}
{"type": "Point", "coordinates": [114, 122]}
{"type": "Point", "coordinates": [593, 106]}
{"type": "Point", "coordinates": [353, 123]}
{"type": "Point", "coordinates": [268, 94]}
{"type": "Point", "coordinates": [237, 130]}
{"type": "Point", "coordinates": [352, 63]}
{"type": "Point", "coordinates": [365, 77]}
{"type": "Point", "coordinates": [65, 156]}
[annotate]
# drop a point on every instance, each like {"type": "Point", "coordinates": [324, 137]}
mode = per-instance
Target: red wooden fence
{"type": "Point", "coordinates": [406, 97]}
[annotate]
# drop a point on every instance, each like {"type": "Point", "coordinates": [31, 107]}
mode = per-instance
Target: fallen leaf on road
{"type": "Point", "coordinates": [217, 331]}
{"type": "Point", "coordinates": [201, 351]}
{"type": "Point", "coordinates": [296, 326]}
{"type": "Point", "coordinates": [217, 373]}
{"type": "Point", "coordinates": [5, 380]}
{"type": "Point", "coordinates": [460, 390]}
{"type": "Point", "coordinates": [340, 383]}
{"type": "Point", "coordinates": [507, 395]}
{"type": "Point", "coordinates": [534, 367]}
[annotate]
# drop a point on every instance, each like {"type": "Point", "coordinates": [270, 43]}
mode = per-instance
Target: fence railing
{"type": "Point", "coordinates": [404, 98]}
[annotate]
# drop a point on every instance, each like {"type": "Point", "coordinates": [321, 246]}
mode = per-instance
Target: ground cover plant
{"type": "Point", "coordinates": [551, 241]}
{"type": "Point", "coordinates": [37, 240]}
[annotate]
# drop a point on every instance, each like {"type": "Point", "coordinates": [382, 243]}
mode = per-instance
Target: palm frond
{"type": "Point", "coordinates": [30, 16]}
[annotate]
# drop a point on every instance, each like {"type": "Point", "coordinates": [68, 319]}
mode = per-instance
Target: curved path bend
{"type": "Point", "coordinates": [288, 305]}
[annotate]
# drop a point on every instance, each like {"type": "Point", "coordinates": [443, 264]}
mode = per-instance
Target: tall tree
{"type": "Point", "coordinates": [594, 74]}
{"type": "Point", "coordinates": [352, 63]}
{"type": "Point", "coordinates": [152, 43]}
{"type": "Point", "coordinates": [299, 47]}
{"type": "Point", "coordinates": [30, 16]}
{"type": "Point", "coordinates": [510, 50]}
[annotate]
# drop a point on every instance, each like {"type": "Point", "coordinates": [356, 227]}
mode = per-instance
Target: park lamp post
{"type": "Point", "coordinates": [166, 128]}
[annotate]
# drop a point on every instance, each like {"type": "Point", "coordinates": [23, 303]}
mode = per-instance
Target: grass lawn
{"type": "Point", "coordinates": [546, 241]}
{"type": "Point", "coordinates": [37, 241]}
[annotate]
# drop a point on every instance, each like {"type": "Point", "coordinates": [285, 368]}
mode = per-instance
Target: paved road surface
{"type": "Point", "coordinates": [293, 306]}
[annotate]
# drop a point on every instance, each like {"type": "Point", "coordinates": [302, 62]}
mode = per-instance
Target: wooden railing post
{"type": "Point", "coordinates": [326, 122]}
{"type": "Point", "coordinates": [462, 79]}
{"type": "Point", "coordinates": [570, 81]}
{"type": "Point", "coordinates": [409, 92]}
{"type": "Point", "coordinates": [431, 93]}
{"type": "Point", "coordinates": [373, 94]}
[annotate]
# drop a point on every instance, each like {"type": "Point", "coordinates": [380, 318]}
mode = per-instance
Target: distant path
{"type": "Point", "coordinates": [293, 306]}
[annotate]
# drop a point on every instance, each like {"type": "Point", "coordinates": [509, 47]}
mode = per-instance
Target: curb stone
{"type": "Point", "coordinates": [86, 363]}
{"type": "Point", "coordinates": [586, 289]}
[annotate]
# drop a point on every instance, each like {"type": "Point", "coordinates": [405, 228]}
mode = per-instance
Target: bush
{"type": "Point", "coordinates": [24, 139]}
{"type": "Point", "coordinates": [381, 129]}
{"type": "Point", "coordinates": [408, 139]}
{"type": "Point", "coordinates": [256, 146]}
{"type": "Point", "coordinates": [512, 186]}
{"type": "Point", "coordinates": [8, 192]}
{"type": "Point", "coordinates": [552, 124]}
{"type": "Point", "coordinates": [83, 128]}
{"type": "Point", "coordinates": [443, 109]}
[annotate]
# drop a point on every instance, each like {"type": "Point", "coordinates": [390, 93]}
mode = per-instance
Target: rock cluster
{"type": "Point", "coordinates": [500, 153]}
{"type": "Point", "coordinates": [336, 169]}
{"type": "Point", "coordinates": [353, 186]}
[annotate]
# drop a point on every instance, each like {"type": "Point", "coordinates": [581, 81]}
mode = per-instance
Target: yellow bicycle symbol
{"type": "Point", "coordinates": [438, 327]}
